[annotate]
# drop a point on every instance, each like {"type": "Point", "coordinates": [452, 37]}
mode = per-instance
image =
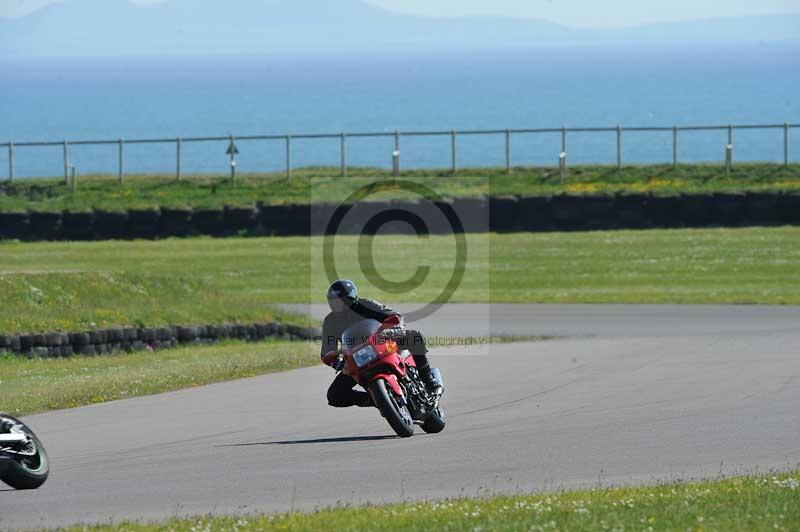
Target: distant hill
{"type": "Point", "coordinates": [263, 26]}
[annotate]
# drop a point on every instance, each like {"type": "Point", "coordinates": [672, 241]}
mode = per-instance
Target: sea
{"type": "Point", "coordinates": [166, 97]}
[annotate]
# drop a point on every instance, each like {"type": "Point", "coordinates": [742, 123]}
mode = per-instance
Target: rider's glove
{"type": "Point", "coordinates": [395, 333]}
{"type": "Point", "coordinates": [333, 359]}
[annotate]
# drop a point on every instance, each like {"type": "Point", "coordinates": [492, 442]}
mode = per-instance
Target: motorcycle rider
{"type": "Point", "coordinates": [347, 309]}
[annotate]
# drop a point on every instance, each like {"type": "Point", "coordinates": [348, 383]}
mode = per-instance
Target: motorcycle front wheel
{"type": "Point", "coordinates": [25, 469]}
{"type": "Point", "coordinates": [398, 416]}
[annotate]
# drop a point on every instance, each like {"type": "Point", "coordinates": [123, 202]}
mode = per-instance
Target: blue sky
{"type": "Point", "coordinates": [578, 13]}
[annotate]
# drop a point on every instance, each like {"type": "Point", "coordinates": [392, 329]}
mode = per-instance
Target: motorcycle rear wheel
{"type": "Point", "coordinates": [31, 473]}
{"type": "Point", "coordinates": [435, 422]}
{"type": "Point", "coordinates": [398, 416]}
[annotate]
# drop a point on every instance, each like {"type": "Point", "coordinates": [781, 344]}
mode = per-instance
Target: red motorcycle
{"type": "Point", "coordinates": [389, 374]}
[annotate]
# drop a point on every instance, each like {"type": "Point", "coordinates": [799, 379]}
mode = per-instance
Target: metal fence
{"type": "Point", "coordinates": [560, 159]}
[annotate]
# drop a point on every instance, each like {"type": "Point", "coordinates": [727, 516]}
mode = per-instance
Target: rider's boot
{"type": "Point", "coordinates": [365, 401]}
{"type": "Point", "coordinates": [427, 378]}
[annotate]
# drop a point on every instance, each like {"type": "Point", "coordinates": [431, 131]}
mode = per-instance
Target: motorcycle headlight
{"type": "Point", "coordinates": [364, 356]}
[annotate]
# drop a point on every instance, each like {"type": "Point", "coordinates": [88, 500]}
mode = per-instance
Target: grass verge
{"type": "Point", "coordinates": [747, 503]}
{"type": "Point", "coordinates": [39, 385]}
{"type": "Point", "coordinates": [314, 184]}
{"type": "Point", "coordinates": [78, 286]}
{"type": "Point", "coordinates": [85, 285]}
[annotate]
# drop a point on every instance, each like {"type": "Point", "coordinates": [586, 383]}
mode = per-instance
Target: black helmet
{"type": "Point", "coordinates": [341, 295]}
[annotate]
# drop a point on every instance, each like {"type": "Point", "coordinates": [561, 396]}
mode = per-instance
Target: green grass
{"type": "Point", "coordinates": [315, 184]}
{"type": "Point", "coordinates": [39, 385]}
{"type": "Point", "coordinates": [74, 286]}
{"type": "Point", "coordinates": [739, 504]}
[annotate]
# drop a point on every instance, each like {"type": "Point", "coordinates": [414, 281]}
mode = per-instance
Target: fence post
{"type": "Point", "coordinates": [121, 162]}
{"type": "Point", "coordinates": [232, 150]}
{"type": "Point", "coordinates": [10, 162]}
{"type": "Point", "coordinates": [178, 143]}
{"type": "Point", "coordinates": [508, 151]}
{"type": "Point", "coordinates": [674, 146]}
{"type": "Point", "coordinates": [396, 165]}
{"type": "Point", "coordinates": [344, 154]}
{"type": "Point", "coordinates": [288, 156]}
{"type": "Point", "coordinates": [66, 162]}
{"type": "Point", "coordinates": [453, 150]}
{"type": "Point", "coordinates": [73, 179]}
{"type": "Point", "coordinates": [619, 147]}
{"type": "Point", "coordinates": [786, 145]}
{"type": "Point", "coordinates": [729, 151]}
{"type": "Point", "coordinates": [564, 139]}
{"type": "Point", "coordinates": [728, 159]}
{"type": "Point", "coordinates": [562, 165]}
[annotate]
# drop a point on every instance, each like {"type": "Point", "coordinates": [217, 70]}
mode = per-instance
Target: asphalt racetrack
{"type": "Point", "coordinates": [627, 394]}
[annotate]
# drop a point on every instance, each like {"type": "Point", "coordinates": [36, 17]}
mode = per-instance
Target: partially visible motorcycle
{"type": "Point", "coordinates": [23, 460]}
{"type": "Point", "coordinates": [390, 375]}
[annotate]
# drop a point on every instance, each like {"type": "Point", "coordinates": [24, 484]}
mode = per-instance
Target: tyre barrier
{"type": "Point", "coordinates": [412, 212]}
{"type": "Point", "coordinates": [129, 340]}
{"type": "Point", "coordinates": [46, 224]}
{"type": "Point", "coordinates": [175, 222]}
{"type": "Point", "coordinates": [357, 218]}
{"type": "Point", "coordinates": [145, 222]}
{"type": "Point", "coordinates": [111, 225]}
{"type": "Point", "coordinates": [631, 211]}
{"type": "Point", "coordinates": [762, 209]}
{"type": "Point", "coordinates": [567, 212]}
{"type": "Point", "coordinates": [598, 212]}
{"type": "Point", "coordinates": [473, 213]}
{"type": "Point", "coordinates": [240, 220]}
{"type": "Point", "coordinates": [730, 209]}
{"type": "Point", "coordinates": [535, 214]}
{"type": "Point", "coordinates": [298, 221]}
{"type": "Point", "coordinates": [274, 217]}
{"type": "Point", "coordinates": [320, 216]}
{"type": "Point", "coordinates": [788, 208]}
{"type": "Point", "coordinates": [78, 225]}
{"type": "Point", "coordinates": [210, 222]}
{"type": "Point", "coordinates": [665, 211]}
{"type": "Point", "coordinates": [697, 210]}
{"type": "Point", "coordinates": [15, 225]}
{"type": "Point", "coordinates": [502, 214]}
